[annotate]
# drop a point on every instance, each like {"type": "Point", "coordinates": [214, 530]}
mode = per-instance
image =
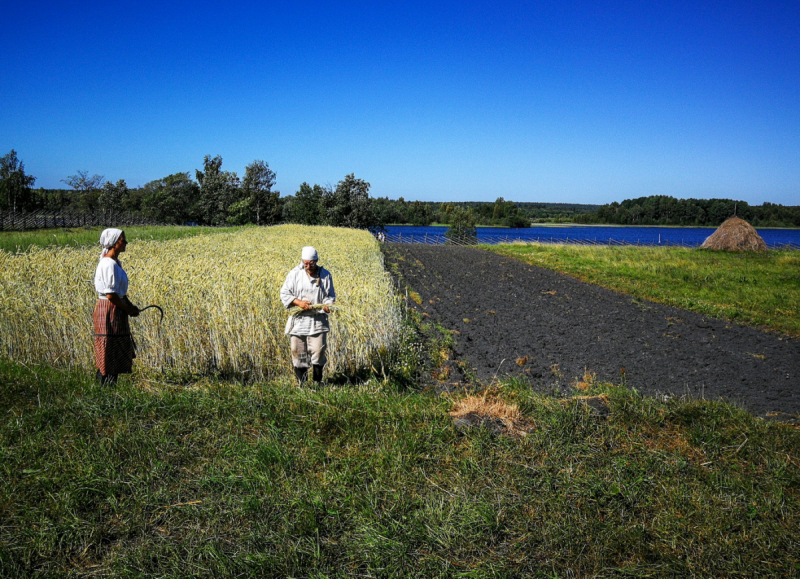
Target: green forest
{"type": "Point", "coordinates": [665, 210]}
{"type": "Point", "coordinates": [214, 196]}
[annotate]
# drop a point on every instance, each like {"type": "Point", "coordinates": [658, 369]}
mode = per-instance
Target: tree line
{"type": "Point", "coordinates": [400, 211]}
{"type": "Point", "coordinates": [219, 197]}
{"type": "Point", "coordinates": [666, 210]}
{"type": "Point", "coordinates": [213, 197]}
{"type": "Point", "coordinates": [501, 213]}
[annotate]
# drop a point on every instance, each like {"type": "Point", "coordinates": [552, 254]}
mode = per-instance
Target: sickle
{"type": "Point", "coordinates": [156, 307]}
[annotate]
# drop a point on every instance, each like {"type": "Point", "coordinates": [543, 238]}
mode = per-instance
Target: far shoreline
{"type": "Point", "coordinates": [535, 225]}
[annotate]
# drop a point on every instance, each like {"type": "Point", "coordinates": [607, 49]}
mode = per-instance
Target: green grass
{"type": "Point", "coordinates": [218, 479]}
{"type": "Point", "coordinates": [222, 479]}
{"type": "Point", "coordinates": [750, 288]}
{"type": "Point", "coordinates": [13, 241]}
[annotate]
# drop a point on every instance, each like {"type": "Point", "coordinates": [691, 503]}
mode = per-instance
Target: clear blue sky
{"type": "Point", "coordinates": [584, 102]}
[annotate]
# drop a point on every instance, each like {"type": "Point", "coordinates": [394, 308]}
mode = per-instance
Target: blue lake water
{"type": "Point", "coordinates": [688, 236]}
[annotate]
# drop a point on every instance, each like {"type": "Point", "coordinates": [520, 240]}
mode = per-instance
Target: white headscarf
{"type": "Point", "coordinates": [309, 254]}
{"type": "Point", "coordinates": [108, 238]}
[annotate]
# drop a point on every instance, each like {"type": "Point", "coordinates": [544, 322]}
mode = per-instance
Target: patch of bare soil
{"type": "Point", "coordinates": [515, 319]}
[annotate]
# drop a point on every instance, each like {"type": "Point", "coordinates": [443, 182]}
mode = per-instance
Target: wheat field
{"type": "Point", "coordinates": [220, 295]}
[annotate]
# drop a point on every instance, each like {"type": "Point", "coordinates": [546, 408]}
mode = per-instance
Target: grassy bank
{"type": "Point", "coordinates": [13, 241]}
{"type": "Point", "coordinates": [754, 289]}
{"type": "Point", "coordinates": [220, 479]}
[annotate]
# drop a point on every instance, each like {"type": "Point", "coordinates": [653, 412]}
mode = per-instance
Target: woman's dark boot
{"type": "Point", "coordinates": [301, 374]}
{"type": "Point", "coordinates": [317, 373]}
{"type": "Point", "coordinates": [106, 380]}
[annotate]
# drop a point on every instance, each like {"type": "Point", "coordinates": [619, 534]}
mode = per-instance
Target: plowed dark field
{"type": "Point", "coordinates": [515, 319]}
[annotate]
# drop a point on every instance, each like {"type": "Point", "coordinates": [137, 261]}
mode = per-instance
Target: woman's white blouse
{"type": "Point", "coordinates": [110, 278]}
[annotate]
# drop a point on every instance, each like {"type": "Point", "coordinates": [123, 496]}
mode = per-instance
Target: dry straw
{"type": "Point", "coordinates": [221, 297]}
{"type": "Point", "coordinates": [735, 234]}
{"type": "Point", "coordinates": [492, 412]}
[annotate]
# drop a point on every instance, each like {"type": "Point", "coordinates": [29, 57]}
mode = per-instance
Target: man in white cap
{"type": "Point", "coordinates": [309, 287]}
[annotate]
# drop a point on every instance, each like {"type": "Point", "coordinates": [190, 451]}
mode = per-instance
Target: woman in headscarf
{"type": "Point", "coordinates": [114, 349]}
{"type": "Point", "coordinates": [308, 285]}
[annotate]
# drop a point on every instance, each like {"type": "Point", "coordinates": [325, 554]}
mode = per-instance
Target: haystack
{"type": "Point", "coordinates": [735, 234]}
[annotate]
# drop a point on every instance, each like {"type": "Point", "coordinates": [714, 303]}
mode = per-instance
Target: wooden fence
{"type": "Point", "coordinates": [19, 221]}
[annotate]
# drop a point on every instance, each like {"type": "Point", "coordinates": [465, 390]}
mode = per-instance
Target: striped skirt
{"type": "Point", "coordinates": [114, 348]}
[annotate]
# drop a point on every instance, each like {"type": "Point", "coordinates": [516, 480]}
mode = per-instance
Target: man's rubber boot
{"type": "Point", "coordinates": [301, 374]}
{"type": "Point", "coordinates": [317, 373]}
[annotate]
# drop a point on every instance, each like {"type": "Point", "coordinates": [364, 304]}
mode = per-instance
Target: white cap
{"type": "Point", "coordinates": [309, 254]}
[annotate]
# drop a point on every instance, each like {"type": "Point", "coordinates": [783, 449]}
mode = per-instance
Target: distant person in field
{"type": "Point", "coordinates": [114, 349]}
{"type": "Point", "coordinates": [309, 287]}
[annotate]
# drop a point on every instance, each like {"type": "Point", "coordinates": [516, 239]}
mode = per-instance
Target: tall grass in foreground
{"type": "Point", "coordinates": [267, 480]}
{"type": "Point", "coordinates": [15, 241]}
{"type": "Point", "coordinates": [220, 294]}
{"type": "Point", "coordinates": [751, 288]}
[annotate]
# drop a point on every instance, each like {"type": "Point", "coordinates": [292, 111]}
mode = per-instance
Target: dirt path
{"type": "Point", "coordinates": [516, 319]}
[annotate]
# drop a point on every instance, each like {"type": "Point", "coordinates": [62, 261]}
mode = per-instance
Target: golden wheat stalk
{"type": "Point", "coordinates": [221, 302]}
{"type": "Point", "coordinates": [297, 310]}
